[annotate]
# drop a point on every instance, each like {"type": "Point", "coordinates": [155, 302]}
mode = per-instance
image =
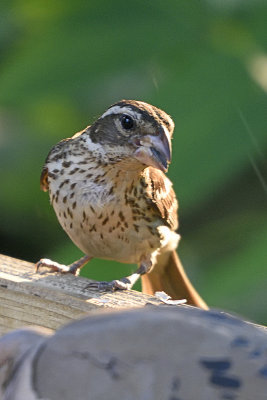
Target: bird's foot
{"type": "Point", "coordinates": [54, 266]}
{"type": "Point", "coordinates": [117, 284]}
{"type": "Point", "coordinates": [64, 269]}
{"type": "Point", "coordinates": [120, 284]}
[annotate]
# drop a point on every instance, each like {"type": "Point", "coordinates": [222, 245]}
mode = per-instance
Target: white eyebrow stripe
{"type": "Point", "coordinates": [121, 110]}
{"type": "Point", "coordinates": [166, 130]}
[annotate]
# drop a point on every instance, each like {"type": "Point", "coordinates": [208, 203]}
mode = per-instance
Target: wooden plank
{"type": "Point", "coordinates": [52, 299]}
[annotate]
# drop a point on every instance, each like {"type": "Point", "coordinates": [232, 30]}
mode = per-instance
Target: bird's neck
{"type": "Point", "coordinates": [113, 159]}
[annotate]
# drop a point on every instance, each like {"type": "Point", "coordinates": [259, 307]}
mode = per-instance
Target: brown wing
{"type": "Point", "coordinates": [53, 153]}
{"type": "Point", "coordinates": [44, 180]}
{"type": "Point", "coordinates": [159, 190]}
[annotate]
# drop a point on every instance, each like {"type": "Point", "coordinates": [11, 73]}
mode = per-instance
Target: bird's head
{"type": "Point", "coordinates": [139, 130]}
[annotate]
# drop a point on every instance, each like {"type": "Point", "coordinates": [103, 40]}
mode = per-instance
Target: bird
{"type": "Point", "coordinates": [108, 187]}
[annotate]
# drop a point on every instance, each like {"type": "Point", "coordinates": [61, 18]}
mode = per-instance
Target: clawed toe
{"type": "Point", "coordinates": [64, 269]}
{"type": "Point", "coordinates": [104, 286]}
{"type": "Point", "coordinates": [46, 263]}
{"type": "Point", "coordinates": [53, 266]}
{"type": "Point", "coordinates": [101, 286]}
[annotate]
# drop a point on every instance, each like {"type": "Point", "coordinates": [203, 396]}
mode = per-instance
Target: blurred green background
{"type": "Point", "coordinates": [62, 63]}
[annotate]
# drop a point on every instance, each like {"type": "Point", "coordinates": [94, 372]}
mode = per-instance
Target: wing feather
{"type": "Point", "coordinates": [44, 179]}
{"type": "Point", "coordinates": [159, 191]}
{"type": "Point", "coordinates": [53, 153]}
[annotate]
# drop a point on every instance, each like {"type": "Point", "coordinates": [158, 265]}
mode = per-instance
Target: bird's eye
{"type": "Point", "coordinates": [126, 122]}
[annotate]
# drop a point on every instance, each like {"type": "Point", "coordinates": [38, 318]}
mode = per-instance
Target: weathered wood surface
{"type": "Point", "coordinates": [52, 299]}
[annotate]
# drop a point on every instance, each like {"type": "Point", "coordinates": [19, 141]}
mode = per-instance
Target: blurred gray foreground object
{"type": "Point", "coordinates": [154, 353]}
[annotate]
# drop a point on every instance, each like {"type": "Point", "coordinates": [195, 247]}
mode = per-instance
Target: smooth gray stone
{"type": "Point", "coordinates": [153, 353]}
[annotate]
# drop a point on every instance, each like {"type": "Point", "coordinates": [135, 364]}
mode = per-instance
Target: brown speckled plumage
{"type": "Point", "coordinates": [109, 191]}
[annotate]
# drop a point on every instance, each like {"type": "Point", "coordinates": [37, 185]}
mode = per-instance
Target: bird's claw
{"type": "Point", "coordinates": [106, 286]}
{"type": "Point", "coordinates": [54, 266]}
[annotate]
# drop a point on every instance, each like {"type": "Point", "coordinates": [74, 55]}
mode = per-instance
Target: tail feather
{"type": "Point", "coordinates": [168, 275]}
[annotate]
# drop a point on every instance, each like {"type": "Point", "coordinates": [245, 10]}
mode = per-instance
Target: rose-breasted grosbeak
{"type": "Point", "coordinates": [110, 194]}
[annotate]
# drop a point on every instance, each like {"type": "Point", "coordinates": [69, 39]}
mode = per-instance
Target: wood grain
{"type": "Point", "coordinates": [52, 299]}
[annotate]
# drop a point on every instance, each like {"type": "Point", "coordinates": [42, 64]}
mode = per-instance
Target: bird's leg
{"type": "Point", "coordinates": [123, 283]}
{"type": "Point", "coordinates": [54, 266]}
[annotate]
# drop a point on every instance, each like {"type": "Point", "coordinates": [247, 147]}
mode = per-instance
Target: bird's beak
{"type": "Point", "coordinates": [154, 151]}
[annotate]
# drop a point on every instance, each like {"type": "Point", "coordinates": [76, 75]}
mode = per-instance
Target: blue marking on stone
{"type": "Point", "coordinates": [225, 381]}
{"type": "Point", "coordinates": [240, 341]}
{"type": "Point", "coordinates": [263, 371]}
{"type": "Point", "coordinates": [219, 365]}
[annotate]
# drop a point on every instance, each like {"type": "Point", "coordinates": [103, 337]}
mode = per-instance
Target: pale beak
{"type": "Point", "coordinates": [155, 151]}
